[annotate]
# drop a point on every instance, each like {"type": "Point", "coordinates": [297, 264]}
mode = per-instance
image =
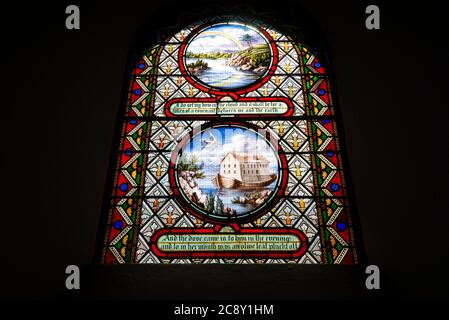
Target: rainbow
{"type": "Point", "coordinates": [223, 34]}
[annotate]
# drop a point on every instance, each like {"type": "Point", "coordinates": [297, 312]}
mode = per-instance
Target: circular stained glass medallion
{"type": "Point", "coordinates": [227, 172]}
{"type": "Point", "coordinates": [228, 56]}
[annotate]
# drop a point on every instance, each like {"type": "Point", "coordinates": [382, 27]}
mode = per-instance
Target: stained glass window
{"type": "Point", "coordinates": [229, 153]}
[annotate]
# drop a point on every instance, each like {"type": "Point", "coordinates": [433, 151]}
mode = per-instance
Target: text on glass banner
{"type": "Point", "coordinates": [228, 108]}
{"type": "Point", "coordinates": [228, 242]}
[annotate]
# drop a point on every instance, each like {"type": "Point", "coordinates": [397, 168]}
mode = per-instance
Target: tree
{"type": "Point", "coordinates": [248, 39]}
{"type": "Point", "coordinates": [218, 206]}
{"type": "Point", "coordinates": [210, 203]}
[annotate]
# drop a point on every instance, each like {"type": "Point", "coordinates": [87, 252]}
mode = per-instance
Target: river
{"type": "Point", "coordinates": [220, 75]}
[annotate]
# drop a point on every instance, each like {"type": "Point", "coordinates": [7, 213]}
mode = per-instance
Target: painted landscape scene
{"type": "Point", "coordinates": [227, 171]}
{"type": "Point", "coordinates": [228, 56]}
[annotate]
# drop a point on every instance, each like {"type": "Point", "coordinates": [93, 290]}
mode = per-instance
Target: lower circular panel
{"type": "Point", "coordinates": [227, 173]}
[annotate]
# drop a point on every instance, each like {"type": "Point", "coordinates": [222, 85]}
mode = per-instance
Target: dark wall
{"type": "Point", "coordinates": [62, 91]}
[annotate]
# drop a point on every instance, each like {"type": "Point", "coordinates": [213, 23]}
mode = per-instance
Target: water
{"type": "Point", "coordinates": [221, 76]}
{"type": "Point", "coordinates": [226, 195]}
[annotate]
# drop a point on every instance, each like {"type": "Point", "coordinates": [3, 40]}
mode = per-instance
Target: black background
{"type": "Point", "coordinates": [61, 92]}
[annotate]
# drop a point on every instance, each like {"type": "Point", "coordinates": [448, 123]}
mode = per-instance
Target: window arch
{"type": "Point", "coordinates": [229, 153]}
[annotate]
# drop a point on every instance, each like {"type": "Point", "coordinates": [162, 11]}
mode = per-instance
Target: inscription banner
{"type": "Point", "coordinates": [228, 108]}
{"type": "Point", "coordinates": [246, 242]}
{"type": "Point", "coordinates": [228, 242]}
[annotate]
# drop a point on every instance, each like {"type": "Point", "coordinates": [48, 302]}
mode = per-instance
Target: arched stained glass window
{"type": "Point", "coordinates": [229, 153]}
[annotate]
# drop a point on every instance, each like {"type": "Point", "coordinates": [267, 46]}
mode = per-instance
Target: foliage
{"type": "Point", "coordinates": [198, 64]}
{"type": "Point", "coordinates": [235, 200]}
{"type": "Point", "coordinates": [187, 163]}
{"type": "Point", "coordinates": [248, 39]}
{"type": "Point", "coordinates": [260, 55]}
{"type": "Point", "coordinates": [208, 55]}
{"type": "Point", "coordinates": [210, 203]}
{"type": "Point", "coordinates": [199, 175]}
{"type": "Point", "coordinates": [219, 206]}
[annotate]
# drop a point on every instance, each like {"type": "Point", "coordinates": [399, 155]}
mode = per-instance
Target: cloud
{"type": "Point", "coordinates": [239, 142]}
{"type": "Point", "coordinates": [212, 43]}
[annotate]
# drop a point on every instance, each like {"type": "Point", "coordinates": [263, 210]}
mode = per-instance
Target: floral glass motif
{"type": "Point", "coordinates": [229, 153]}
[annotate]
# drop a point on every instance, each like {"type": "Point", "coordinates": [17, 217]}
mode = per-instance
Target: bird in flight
{"type": "Point", "coordinates": [209, 142]}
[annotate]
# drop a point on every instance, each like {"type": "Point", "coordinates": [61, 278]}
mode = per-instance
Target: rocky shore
{"type": "Point", "coordinates": [254, 198]}
{"type": "Point", "coordinates": [244, 63]}
{"type": "Point", "coordinates": [196, 70]}
{"type": "Point", "coordinates": [210, 203]}
{"type": "Point", "coordinates": [191, 188]}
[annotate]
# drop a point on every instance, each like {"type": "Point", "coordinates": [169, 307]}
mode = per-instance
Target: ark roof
{"type": "Point", "coordinates": [244, 157]}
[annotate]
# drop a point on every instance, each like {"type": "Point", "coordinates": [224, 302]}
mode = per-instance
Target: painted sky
{"type": "Point", "coordinates": [229, 139]}
{"type": "Point", "coordinates": [223, 38]}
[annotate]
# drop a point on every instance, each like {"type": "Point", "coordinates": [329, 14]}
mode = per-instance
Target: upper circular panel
{"type": "Point", "coordinates": [228, 56]}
